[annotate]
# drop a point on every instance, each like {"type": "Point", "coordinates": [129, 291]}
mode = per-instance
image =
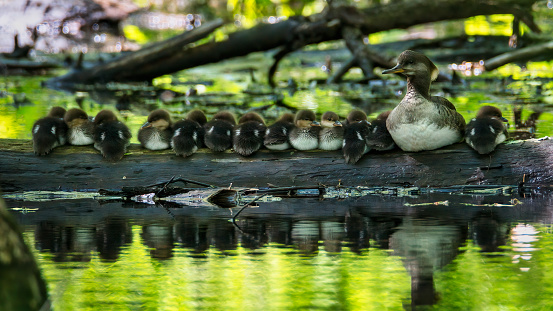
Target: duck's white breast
{"type": "Point", "coordinates": [423, 136]}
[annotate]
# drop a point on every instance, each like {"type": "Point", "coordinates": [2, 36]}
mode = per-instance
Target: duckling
{"type": "Point", "coordinates": [421, 121]}
{"type": "Point", "coordinates": [80, 127]}
{"type": "Point", "coordinates": [111, 136]}
{"type": "Point", "coordinates": [248, 134]}
{"type": "Point", "coordinates": [305, 133]}
{"type": "Point", "coordinates": [188, 134]}
{"type": "Point", "coordinates": [156, 133]}
{"type": "Point", "coordinates": [276, 135]}
{"type": "Point", "coordinates": [379, 138]}
{"type": "Point", "coordinates": [487, 130]}
{"type": "Point", "coordinates": [356, 132]}
{"type": "Point", "coordinates": [49, 132]}
{"type": "Point", "coordinates": [331, 134]}
{"type": "Point", "coordinates": [218, 131]}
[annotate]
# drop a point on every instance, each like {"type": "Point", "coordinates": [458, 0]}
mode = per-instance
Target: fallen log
{"type": "Point", "coordinates": [82, 168]}
{"type": "Point", "coordinates": [299, 31]}
{"type": "Point", "coordinates": [523, 54]}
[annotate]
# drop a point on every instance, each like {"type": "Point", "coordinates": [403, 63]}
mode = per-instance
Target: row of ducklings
{"type": "Point", "coordinates": [355, 136]}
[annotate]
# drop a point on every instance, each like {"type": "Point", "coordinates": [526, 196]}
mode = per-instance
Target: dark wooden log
{"type": "Point", "coordinates": [299, 31]}
{"type": "Point", "coordinates": [80, 168]}
{"type": "Point", "coordinates": [523, 54]}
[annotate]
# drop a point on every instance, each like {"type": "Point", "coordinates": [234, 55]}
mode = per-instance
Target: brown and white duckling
{"type": "Point", "coordinates": [487, 130]}
{"type": "Point", "coordinates": [156, 133]}
{"type": "Point", "coordinates": [331, 135]}
{"type": "Point", "coordinates": [218, 131]}
{"type": "Point", "coordinates": [248, 134]}
{"type": "Point", "coordinates": [276, 135]}
{"type": "Point", "coordinates": [379, 138]}
{"type": "Point", "coordinates": [80, 127]}
{"type": "Point", "coordinates": [355, 134]}
{"type": "Point", "coordinates": [305, 133]}
{"type": "Point", "coordinates": [111, 136]}
{"type": "Point", "coordinates": [421, 121]}
{"type": "Point", "coordinates": [49, 132]}
{"type": "Point", "coordinates": [188, 134]}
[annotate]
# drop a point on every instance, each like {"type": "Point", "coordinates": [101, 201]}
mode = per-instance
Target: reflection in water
{"type": "Point", "coordinates": [337, 254]}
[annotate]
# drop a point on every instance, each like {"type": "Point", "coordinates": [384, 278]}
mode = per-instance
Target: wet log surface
{"type": "Point", "coordinates": [82, 167]}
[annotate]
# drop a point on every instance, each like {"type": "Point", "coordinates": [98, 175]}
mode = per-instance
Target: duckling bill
{"type": "Point", "coordinates": [156, 133]}
{"type": "Point", "coordinates": [487, 130]}
{"type": "Point", "coordinates": [111, 136]}
{"type": "Point", "coordinates": [49, 132]}
{"type": "Point", "coordinates": [305, 133]}
{"type": "Point", "coordinates": [248, 134]}
{"type": "Point", "coordinates": [421, 121]}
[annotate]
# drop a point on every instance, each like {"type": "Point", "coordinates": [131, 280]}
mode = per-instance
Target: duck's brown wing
{"type": "Point", "coordinates": [447, 108]}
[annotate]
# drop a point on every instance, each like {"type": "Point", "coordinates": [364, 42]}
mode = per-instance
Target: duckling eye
{"type": "Point", "coordinates": [329, 119]}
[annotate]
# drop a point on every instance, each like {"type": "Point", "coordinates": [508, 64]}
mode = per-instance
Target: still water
{"type": "Point", "coordinates": [436, 251]}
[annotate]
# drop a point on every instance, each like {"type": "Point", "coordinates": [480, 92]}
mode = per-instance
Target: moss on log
{"type": "Point", "coordinates": [82, 167]}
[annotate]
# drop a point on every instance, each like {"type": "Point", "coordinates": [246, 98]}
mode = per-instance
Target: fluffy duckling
{"type": "Point", "coordinates": [218, 131]}
{"type": "Point", "coordinates": [305, 133]}
{"type": "Point", "coordinates": [188, 134]}
{"type": "Point", "coordinates": [248, 134]}
{"type": "Point", "coordinates": [49, 132]}
{"type": "Point", "coordinates": [276, 135]}
{"type": "Point", "coordinates": [80, 128]}
{"type": "Point", "coordinates": [487, 130]}
{"type": "Point", "coordinates": [355, 134]}
{"type": "Point", "coordinates": [379, 138]}
{"type": "Point", "coordinates": [111, 136]}
{"type": "Point", "coordinates": [331, 134]}
{"type": "Point", "coordinates": [421, 121]}
{"type": "Point", "coordinates": [156, 133]}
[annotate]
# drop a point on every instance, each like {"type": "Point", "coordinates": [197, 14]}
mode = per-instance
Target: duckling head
{"type": "Point", "coordinates": [330, 119]}
{"type": "Point", "coordinates": [251, 116]}
{"type": "Point", "coordinates": [198, 116]}
{"type": "Point", "coordinates": [412, 64]}
{"type": "Point", "coordinates": [57, 112]}
{"type": "Point", "coordinates": [490, 112]}
{"type": "Point", "coordinates": [74, 114]}
{"type": "Point", "coordinates": [306, 118]}
{"type": "Point", "coordinates": [104, 116]}
{"type": "Point", "coordinates": [287, 117]}
{"type": "Point", "coordinates": [356, 116]}
{"type": "Point", "coordinates": [225, 116]}
{"type": "Point", "coordinates": [159, 119]}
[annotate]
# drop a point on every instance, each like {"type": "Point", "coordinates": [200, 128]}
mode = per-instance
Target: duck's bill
{"type": "Point", "coordinates": [337, 123]}
{"type": "Point", "coordinates": [315, 123]}
{"type": "Point", "coordinates": [396, 69]}
{"type": "Point", "coordinates": [146, 125]}
{"type": "Point", "coordinates": [504, 119]}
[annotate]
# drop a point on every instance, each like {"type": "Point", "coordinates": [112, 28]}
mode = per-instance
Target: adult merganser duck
{"type": "Point", "coordinates": [49, 132]}
{"type": "Point", "coordinates": [331, 135]}
{"type": "Point", "coordinates": [80, 127]}
{"type": "Point", "coordinates": [305, 133]}
{"type": "Point", "coordinates": [487, 130]}
{"type": "Point", "coordinates": [355, 134]}
{"type": "Point", "coordinates": [379, 137]}
{"type": "Point", "coordinates": [420, 121]}
{"type": "Point", "coordinates": [111, 136]}
{"type": "Point", "coordinates": [188, 134]}
{"type": "Point", "coordinates": [248, 134]}
{"type": "Point", "coordinates": [276, 135]}
{"type": "Point", "coordinates": [156, 133]}
{"type": "Point", "coordinates": [218, 131]}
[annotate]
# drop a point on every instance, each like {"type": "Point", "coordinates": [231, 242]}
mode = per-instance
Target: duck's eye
{"type": "Point", "coordinates": [329, 119]}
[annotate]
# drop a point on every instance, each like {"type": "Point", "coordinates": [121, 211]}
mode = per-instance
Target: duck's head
{"type": "Point", "coordinates": [251, 116]}
{"type": "Point", "coordinates": [57, 112]}
{"type": "Point", "coordinates": [225, 116]}
{"type": "Point", "coordinates": [356, 116]}
{"type": "Point", "coordinates": [306, 118]}
{"type": "Point", "coordinates": [104, 116]}
{"type": "Point", "coordinates": [490, 112]}
{"type": "Point", "coordinates": [412, 64]}
{"type": "Point", "coordinates": [287, 117]}
{"type": "Point", "coordinates": [159, 119]}
{"type": "Point", "coordinates": [75, 114]}
{"type": "Point", "coordinates": [197, 115]}
{"type": "Point", "coordinates": [330, 119]}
